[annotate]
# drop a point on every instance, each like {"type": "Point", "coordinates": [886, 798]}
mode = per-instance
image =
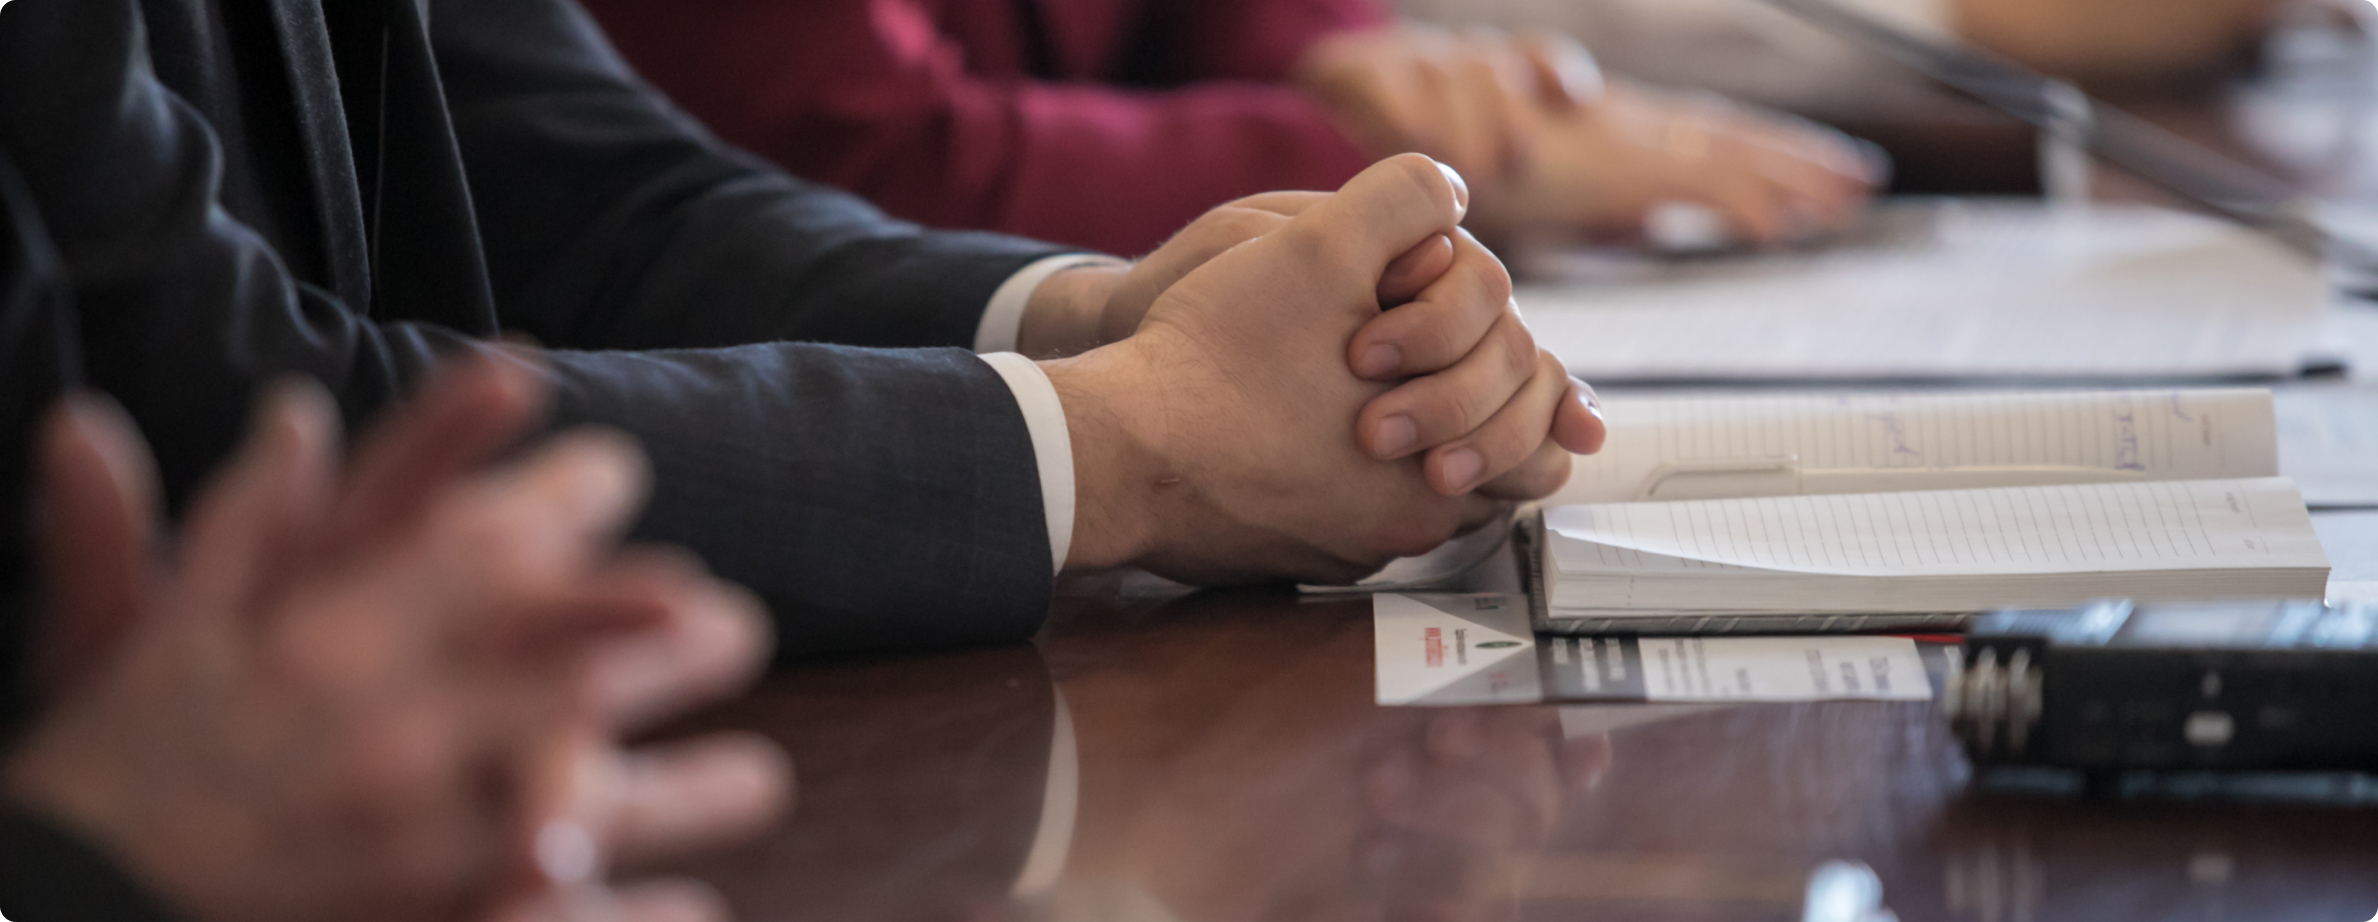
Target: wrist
{"type": "Point", "coordinates": [1065, 314]}
{"type": "Point", "coordinates": [1116, 429]}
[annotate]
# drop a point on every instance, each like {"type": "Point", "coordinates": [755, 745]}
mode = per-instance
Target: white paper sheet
{"type": "Point", "coordinates": [1454, 649]}
{"type": "Point", "coordinates": [1999, 291]}
{"type": "Point", "coordinates": [1783, 669]}
{"type": "Point", "coordinates": [1442, 650]}
{"type": "Point", "coordinates": [2328, 443]}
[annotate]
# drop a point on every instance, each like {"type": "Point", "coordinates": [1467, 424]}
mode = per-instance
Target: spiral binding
{"type": "Point", "coordinates": [1992, 705]}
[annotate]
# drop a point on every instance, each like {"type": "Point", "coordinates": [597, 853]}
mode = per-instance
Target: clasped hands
{"type": "Point", "coordinates": [1310, 386]}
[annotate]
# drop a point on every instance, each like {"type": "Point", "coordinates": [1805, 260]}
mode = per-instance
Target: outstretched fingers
{"type": "Point", "coordinates": [551, 516]}
{"type": "Point", "coordinates": [97, 528]}
{"type": "Point", "coordinates": [462, 418]}
{"type": "Point", "coordinates": [255, 522]}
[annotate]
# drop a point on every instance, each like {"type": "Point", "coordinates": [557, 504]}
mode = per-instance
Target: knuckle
{"type": "Point", "coordinates": [1518, 353]}
{"type": "Point", "coordinates": [1550, 366]}
{"type": "Point", "coordinates": [1494, 286]}
{"type": "Point", "coordinates": [1442, 413]}
{"type": "Point", "coordinates": [1506, 447]}
{"type": "Point", "coordinates": [1541, 478]}
{"type": "Point", "coordinates": [1310, 244]}
{"type": "Point", "coordinates": [1208, 225]}
{"type": "Point", "coordinates": [1433, 342]}
{"type": "Point", "coordinates": [1465, 413]}
{"type": "Point", "coordinates": [1238, 225]}
{"type": "Point", "coordinates": [1517, 438]}
{"type": "Point", "coordinates": [1549, 479]}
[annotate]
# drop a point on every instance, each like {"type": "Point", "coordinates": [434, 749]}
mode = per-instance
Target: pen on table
{"type": "Point", "coordinates": [1783, 476]}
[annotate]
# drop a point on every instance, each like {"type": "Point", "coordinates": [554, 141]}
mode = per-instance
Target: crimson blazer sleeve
{"type": "Point", "coordinates": [524, 180]}
{"type": "Point", "coordinates": [1169, 114]}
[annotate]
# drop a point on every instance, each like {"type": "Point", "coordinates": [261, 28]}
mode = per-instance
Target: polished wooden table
{"type": "Point", "coordinates": [1227, 764]}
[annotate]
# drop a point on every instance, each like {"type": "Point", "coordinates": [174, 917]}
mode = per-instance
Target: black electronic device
{"type": "Point", "coordinates": [2113, 686]}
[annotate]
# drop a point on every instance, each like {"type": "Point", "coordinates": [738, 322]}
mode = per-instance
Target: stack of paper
{"type": "Point", "coordinates": [1933, 551]}
{"type": "Point", "coordinates": [1880, 510]}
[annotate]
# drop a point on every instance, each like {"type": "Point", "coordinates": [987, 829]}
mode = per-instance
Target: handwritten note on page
{"type": "Point", "coordinates": [1719, 446]}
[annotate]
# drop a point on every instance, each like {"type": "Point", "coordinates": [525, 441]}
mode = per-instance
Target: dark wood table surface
{"type": "Point", "coordinates": [1232, 766]}
{"type": "Point", "coordinates": [1229, 764]}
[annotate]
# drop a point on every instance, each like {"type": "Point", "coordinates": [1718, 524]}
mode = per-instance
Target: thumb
{"type": "Point", "coordinates": [97, 537]}
{"type": "Point", "coordinates": [1381, 214]}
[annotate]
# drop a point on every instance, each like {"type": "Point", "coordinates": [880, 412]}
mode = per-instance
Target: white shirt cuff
{"type": "Point", "coordinates": [1052, 445]}
{"type": "Point", "coordinates": [1003, 318]}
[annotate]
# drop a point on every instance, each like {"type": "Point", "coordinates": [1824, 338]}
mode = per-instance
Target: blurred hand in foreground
{"type": "Point", "coordinates": [392, 691]}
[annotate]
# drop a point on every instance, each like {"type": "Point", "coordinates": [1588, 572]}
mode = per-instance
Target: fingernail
{"type": "Point", "coordinates": [566, 853]}
{"type": "Point", "coordinates": [597, 475]}
{"type": "Point", "coordinates": [1380, 361]}
{"type": "Point", "coordinates": [1581, 79]}
{"type": "Point", "coordinates": [1461, 467]}
{"type": "Point", "coordinates": [1593, 401]}
{"type": "Point", "coordinates": [1461, 192]}
{"type": "Point", "coordinates": [1396, 435]}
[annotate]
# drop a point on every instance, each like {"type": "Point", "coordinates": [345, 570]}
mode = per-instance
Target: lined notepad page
{"type": "Point", "coordinates": [2162, 525]}
{"type": "Point", "coordinates": [2002, 291]}
{"type": "Point", "coordinates": [2154, 434]}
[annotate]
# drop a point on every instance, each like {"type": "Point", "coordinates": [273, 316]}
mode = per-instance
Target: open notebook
{"type": "Point", "coordinates": [1842, 512]}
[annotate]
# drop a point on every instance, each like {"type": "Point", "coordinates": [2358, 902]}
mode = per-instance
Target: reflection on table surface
{"type": "Point", "coordinates": [1216, 758]}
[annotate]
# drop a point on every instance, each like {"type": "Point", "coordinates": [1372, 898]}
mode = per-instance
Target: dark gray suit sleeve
{"type": "Point", "coordinates": [48, 875]}
{"type": "Point", "coordinates": [873, 498]}
{"type": "Point", "coordinates": [36, 366]}
{"type": "Point", "coordinates": [620, 222]}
